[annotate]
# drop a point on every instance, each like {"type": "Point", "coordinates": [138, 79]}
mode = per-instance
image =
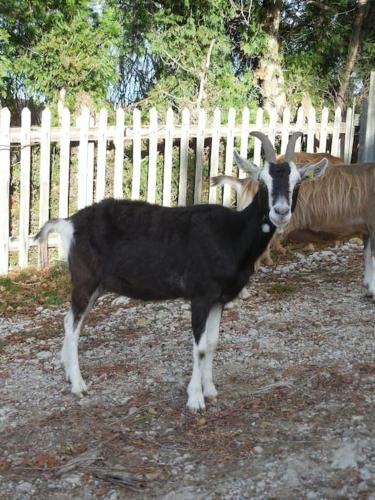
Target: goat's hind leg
{"type": "Point", "coordinates": [83, 299]}
{"type": "Point", "coordinates": [212, 332]}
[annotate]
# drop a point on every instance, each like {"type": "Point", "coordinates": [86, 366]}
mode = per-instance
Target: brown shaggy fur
{"type": "Point", "coordinates": [339, 212]}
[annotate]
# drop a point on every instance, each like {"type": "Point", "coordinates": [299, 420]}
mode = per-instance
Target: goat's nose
{"type": "Point", "coordinates": [282, 211]}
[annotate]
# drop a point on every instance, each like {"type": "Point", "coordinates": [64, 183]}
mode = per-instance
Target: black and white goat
{"type": "Point", "coordinates": [203, 253]}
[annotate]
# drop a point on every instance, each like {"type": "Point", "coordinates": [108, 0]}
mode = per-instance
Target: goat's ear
{"type": "Point", "coordinates": [313, 170]}
{"type": "Point", "coordinates": [248, 166]}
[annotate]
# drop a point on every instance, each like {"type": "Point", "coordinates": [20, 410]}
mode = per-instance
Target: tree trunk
{"type": "Point", "coordinates": [355, 40]}
{"type": "Point", "coordinates": [270, 72]}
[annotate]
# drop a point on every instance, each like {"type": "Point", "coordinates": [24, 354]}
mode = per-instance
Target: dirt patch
{"type": "Point", "coordinates": [295, 416]}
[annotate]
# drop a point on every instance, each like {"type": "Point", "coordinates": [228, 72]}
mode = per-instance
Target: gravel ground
{"type": "Point", "coordinates": [294, 419]}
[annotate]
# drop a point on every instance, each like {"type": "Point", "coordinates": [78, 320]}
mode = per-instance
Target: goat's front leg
{"type": "Point", "coordinates": [206, 331]}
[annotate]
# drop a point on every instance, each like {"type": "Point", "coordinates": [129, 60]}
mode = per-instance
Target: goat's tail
{"type": "Point", "coordinates": [64, 227]}
{"type": "Point", "coordinates": [221, 180]}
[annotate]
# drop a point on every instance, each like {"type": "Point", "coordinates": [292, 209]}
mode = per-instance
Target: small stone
{"type": "Point", "coordinates": [73, 479]}
{"type": "Point", "coordinates": [258, 449]}
{"type": "Point", "coordinates": [311, 495]}
{"type": "Point", "coordinates": [44, 355]}
{"type": "Point", "coordinates": [365, 474]}
{"type": "Point", "coordinates": [24, 487]}
{"type": "Point", "coordinates": [363, 486]}
{"type": "Point", "coordinates": [357, 418]}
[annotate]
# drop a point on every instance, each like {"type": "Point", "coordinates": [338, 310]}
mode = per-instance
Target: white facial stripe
{"type": "Point", "coordinates": [280, 207]}
{"type": "Point", "coordinates": [267, 179]}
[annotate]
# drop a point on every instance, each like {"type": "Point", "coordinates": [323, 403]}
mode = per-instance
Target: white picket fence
{"type": "Point", "coordinates": [93, 139]}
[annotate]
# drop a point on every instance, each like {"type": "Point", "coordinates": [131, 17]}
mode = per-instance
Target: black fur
{"type": "Point", "coordinates": [203, 253]}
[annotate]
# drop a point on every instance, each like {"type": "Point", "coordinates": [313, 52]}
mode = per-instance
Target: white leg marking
{"type": "Point", "coordinates": [368, 265]}
{"type": "Point", "coordinates": [195, 399]}
{"type": "Point", "coordinates": [371, 285]}
{"type": "Point", "coordinates": [69, 353]}
{"type": "Point", "coordinates": [212, 334]}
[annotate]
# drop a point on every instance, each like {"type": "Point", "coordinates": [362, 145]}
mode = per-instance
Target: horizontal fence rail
{"type": "Point", "coordinates": [49, 171]}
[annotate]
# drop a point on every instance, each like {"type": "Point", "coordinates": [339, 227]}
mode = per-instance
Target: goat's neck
{"type": "Point", "coordinates": [258, 229]}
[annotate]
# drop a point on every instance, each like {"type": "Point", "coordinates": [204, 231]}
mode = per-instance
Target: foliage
{"type": "Point", "coordinates": [157, 53]}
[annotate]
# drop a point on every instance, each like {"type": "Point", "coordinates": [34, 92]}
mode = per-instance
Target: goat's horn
{"type": "Point", "coordinates": [269, 152]}
{"type": "Point", "coordinates": [291, 145]}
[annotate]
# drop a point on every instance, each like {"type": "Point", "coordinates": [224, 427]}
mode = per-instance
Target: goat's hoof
{"type": "Point", "coordinates": [210, 393]}
{"type": "Point", "coordinates": [196, 403]}
{"type": "Point", "coordinates": [79, 388]}
{"type": "Point", "coordinates": [367, 293]}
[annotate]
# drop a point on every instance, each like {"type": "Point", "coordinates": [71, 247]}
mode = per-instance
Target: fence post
{"type": "Point", "coordinates": [244, 138]}
{"type": "Point", "coordinates": [4, 188]}
{"type": "Point", "coordinates": [227, 195]}
{"type": "Point", "coordinates": [119, 154]}
{"type": "Point", "coordinates": [152, 156]}
{"type": "Point", "coordinates": [285, 130]}
{"type": "Point", "coordinates": [136, 177]}
{"type": "Point", "coordinates": [348, 135]}
{"type": "Point", "coordinates": [335, 146]}
{"type": "Point", "coordinates": [101, 155]}
{"type": "Point", "coordinates": [311, 124]}
{"type": "Point", "coordinates": [257, 142]}
{"type": "Point", "coordinates": [24, 217]}
{"type": "Point", "coordinates": [300, 124]}
{"type": "Point", "coordinates": [199, 157]}
{"type": "Point", "coordinates": [323, 131]}
{"type": "Point", "coordinates": [44, 176]}
{"type": "Point", "coordinates": [184, 157]}
{"type": "Point", "coordinates": [83, 121]}
{"type": "Point", "coordinates": [215, 150]}
{"type": "Point", "coordinates": [168, 151]}
{"type": "Point", "coordinates": [368, 133]}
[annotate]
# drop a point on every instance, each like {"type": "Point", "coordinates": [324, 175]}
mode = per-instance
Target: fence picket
{"type": "Point", "coordinates": [348, 135]}
{"type": "Point", "coordinates": [299, 127]}
{"type": "Point", "coordinates": [83, 122]}
{"type": "Point", "coordinates": [101, 155]}
{"type": "Point", "coordinates": [152, 156]}
{"type": "Point", "coordinates": [24, 216]}
{"type": "Point", "coordinates": [119, 154]}
{"type": "Point", "coordinates": [272, 115]}
{"type": "Point", "coordinates": [4, 188]}
{"type": "Point", "coordinates": [136, 178]}
{"type": "Point", "coordinates": [335, 146]}
{"type": "Point", "coordinates": [90, 167]}
{"type": "Point", "coordinates": [168, 150]}
{"type": "Point", "coordinates": [244, 138]}
{"type": "Point", "coordinates": [257, 143]}
{"type": "Point", "coordinates": [215, 147]}
{"type": "Point", "coordinates": [227, 193]}
{"type": "Point", "coordinates": [184, 157]}
{"type": "Point", "coordinates": [199, 157]}
{"type": "Point", "coordinates": [44, 181]}
{"type": "Point", "coordinates": [285, 131]}
{"type": "Point", "coordinates": [323, 131]}
{"type": "Point", "coordinates": [311, 124]}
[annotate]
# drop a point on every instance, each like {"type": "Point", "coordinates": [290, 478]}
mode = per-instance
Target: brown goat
{"type": "Point", "coordinates": [303, 158]}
